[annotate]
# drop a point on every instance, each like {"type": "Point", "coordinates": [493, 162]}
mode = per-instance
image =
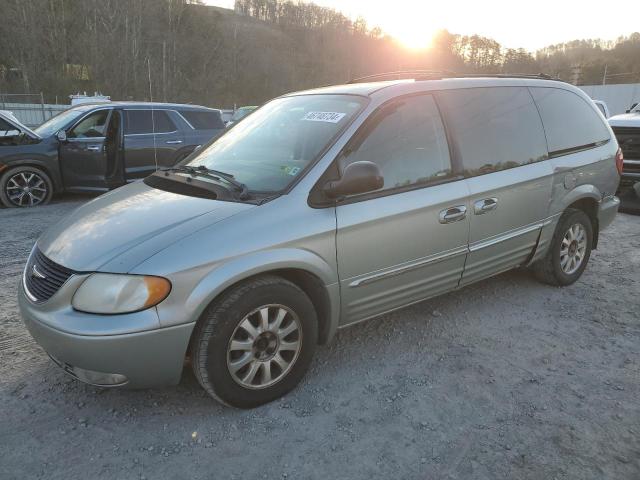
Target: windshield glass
{"type": "Point", "coordinates": [272, 146]}
{"type": "Point", "coordinates": [60, 121]}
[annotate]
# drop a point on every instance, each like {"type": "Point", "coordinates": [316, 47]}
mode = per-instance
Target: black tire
{"type": "Point", "coordinates": [38, 180]}
{"type": "Point", "coordinates": [213, 333]}
{"type": "Point", "coordinates": [549, 269]}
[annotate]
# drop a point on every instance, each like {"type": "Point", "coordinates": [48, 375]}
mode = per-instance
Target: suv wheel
{"type": "Point", "coordinates": [569, 251]}
{"type": "Point", "coordinates": [25, 187]}
{"type": "Point", "coordinates": [255, 343]}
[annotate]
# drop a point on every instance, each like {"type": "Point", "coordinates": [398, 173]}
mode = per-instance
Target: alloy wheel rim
{"type": "Point", "coordinates": [573, 248]}
{"type": "Point", "coordinates": [26, 189]}
{"type": "Point", "coordinates": [264, 346]}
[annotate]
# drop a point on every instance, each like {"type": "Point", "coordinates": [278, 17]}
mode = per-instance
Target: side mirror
{"type": "Point", "coordinates": [61, 136]}
{"type": "Point", "coordinates": [358, 177]}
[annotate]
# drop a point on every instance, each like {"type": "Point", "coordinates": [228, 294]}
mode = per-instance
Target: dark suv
{"type": "Point", "coordinates": [95, 148]}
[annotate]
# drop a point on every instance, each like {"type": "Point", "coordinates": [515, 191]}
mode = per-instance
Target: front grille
{"type": "Point", "coordinates": [629, 141]}
{"type": "Point", "coordinates": [44, 277]}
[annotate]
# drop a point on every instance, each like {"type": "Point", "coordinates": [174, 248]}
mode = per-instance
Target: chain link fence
{"type": "Point", "coordinates": [30, 108]}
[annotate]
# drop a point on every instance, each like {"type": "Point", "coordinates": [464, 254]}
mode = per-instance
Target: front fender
{"type": "Point", "coordinates": [190, 307]}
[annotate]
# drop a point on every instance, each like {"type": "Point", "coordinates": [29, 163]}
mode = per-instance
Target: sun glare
{"type": "Point", "coordinates": [415, 40]}
{"type": "Point", "coordinates": [414, 34]}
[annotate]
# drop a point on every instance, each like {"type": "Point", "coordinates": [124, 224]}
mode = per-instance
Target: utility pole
{"type": "Point", "coordinates": [604, 77]}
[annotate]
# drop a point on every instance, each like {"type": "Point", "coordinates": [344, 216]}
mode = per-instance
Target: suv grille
{"type": "Point", "coordinates": [629, 141]}
{"type": "Point", "coordinates": [43, 277]}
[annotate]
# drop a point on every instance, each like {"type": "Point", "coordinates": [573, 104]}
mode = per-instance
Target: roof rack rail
{"type": "Point", "coordinates": [403, 75]}
{"type": "Point", "coordinates": [440, 74]}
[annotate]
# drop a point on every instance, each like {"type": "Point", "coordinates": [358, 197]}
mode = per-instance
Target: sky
{"type": "Point", "coordinates": [514, 24]}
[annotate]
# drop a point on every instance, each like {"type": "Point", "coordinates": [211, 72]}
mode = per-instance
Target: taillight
{"type": "Point", "coordinates": [619, 160]}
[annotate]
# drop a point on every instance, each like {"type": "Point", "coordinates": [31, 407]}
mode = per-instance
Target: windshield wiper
{"type": "Point", "coordinates": [203, 171]}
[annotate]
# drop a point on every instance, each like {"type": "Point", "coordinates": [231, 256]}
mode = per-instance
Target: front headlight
{"type": "Point", "coordinates": [110, 293]}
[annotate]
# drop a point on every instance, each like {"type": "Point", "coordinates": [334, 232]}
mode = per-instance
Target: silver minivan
{"type": "Point", "coordinates": [322, 209]}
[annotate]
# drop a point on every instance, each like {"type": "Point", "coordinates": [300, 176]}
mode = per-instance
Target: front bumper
{"type": "Point", "coordinates": [140, 359]}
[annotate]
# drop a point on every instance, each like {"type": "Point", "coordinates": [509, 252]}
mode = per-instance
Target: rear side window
{"type": "Point", "coordinates": [203, 120]}
{"type": "Point", "coordinates": [496, 128]}
{"type": "Point", "coordinates": [406, 139]}
{"type": "Point", "coordinates": [570, 122]}
{"type": "Point", "coordinates": [140, 122]}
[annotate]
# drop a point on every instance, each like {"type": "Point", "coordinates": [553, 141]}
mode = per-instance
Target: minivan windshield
{"type": "Point", "coordinates": [61, 120]}
{"type": "Point", "coordinates": [274, 145]}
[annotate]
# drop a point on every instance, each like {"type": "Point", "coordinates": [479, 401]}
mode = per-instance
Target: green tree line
{"type": "Point", "coordinates": [185, 51]}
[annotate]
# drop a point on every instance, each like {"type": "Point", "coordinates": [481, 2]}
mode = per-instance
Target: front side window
{"type": "Point", "coordinates": [140, 122]}
{"type": "Point", "coordinates": [61, 120]}
{"type": "Point", "coordinates": [92, 126]}
{"type": "Point", "coordinates": [570, 123]}
{"type": "Point", "coordinates": [496, 128]}
{"type": "Point", "coordinates": [407, 140]}
{"type": "Point", "coordinates": [274, 145]}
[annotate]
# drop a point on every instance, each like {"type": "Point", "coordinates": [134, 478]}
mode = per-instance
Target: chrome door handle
{"type": "Point", "coordinates": [485, 205]}
{"type": "Point", "coordinates": [173, 142]}
{"type": "Point", "coordinates": [94, 148]}
{"type": "Point", "coordinates": [452, 214]}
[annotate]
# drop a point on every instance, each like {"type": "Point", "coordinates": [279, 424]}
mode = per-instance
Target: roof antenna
{"type": "Point", "coordinates": [153, 119]}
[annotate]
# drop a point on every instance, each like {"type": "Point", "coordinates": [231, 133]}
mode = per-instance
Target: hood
{"type": "Point", "coordinates": [21, 127]}
{"type": "Point", "coordinates": [625, 120]}
{"type": "Point", "coordinates": [122, 228]}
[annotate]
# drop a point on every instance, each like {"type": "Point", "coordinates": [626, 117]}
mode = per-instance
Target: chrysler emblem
{"type": "Point", "coordinates": [36, 273]}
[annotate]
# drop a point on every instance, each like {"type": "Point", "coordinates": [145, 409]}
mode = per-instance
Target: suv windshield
{"type": "Point", "coordinates": [61, 120]}
{"type": "Point", "coordinates": [272, 146]}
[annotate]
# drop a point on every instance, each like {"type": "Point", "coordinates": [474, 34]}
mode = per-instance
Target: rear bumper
{"type": "Point", "coordinates": [607, 211]}
{"type": "Point", "coordinates": [142, 359]}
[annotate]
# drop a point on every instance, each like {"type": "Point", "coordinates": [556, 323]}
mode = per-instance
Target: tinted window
{"type": "Point", "coordinates": [495, 128]}
{"type": "Point", "coordinates": [92, 126]}
{"type": "Point", "coordinates": [408, 142]}
{"type": "Point", "coordinates": [569, 121]}
{"type": "Point", "coordinates": [140, 121]}
{"type": "Point", "coordinates": [202, 120]}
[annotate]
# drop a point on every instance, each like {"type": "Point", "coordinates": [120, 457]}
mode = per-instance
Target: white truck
{"type": "Point", "coordinates": [627, 130]}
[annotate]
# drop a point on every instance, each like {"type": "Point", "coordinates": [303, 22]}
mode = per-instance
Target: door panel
{"type": "Point", "coordinates": [83, 158]}
{"type": "Point", "coordinates": [144, 150]}
{"type": "Point", "coordinates": [393, 250]}
{"type": "Point", "coordinates": [501, 142]}
{"type": "Point", "coordinates": [505, 236]}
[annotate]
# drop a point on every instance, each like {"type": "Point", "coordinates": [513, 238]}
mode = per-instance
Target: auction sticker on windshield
{"type": "Point", "coordinates": [331, 117]}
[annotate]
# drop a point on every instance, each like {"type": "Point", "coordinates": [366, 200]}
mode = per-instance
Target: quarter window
{"type": "Point", "coordinates": [407, 140]}
{"type": "Point", "coordinates": [496, 128]}
{"type": "Point", "coordinates": [92, 126]}
{"type": "Point", "coordinates": [203, 120]}
{"type": "Point", "coordinates": [142, 121]}
{"type": "Point", "coordinates": [570, 123]}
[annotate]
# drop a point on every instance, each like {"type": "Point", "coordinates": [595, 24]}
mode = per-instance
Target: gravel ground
{"type": "Point", "coordinates": [507, 378]}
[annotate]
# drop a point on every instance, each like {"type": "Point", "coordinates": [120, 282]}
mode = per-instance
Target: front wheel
{"type": "Point", "coordinates": [255, 343]}
{"type": "Point", "coordinates": [569, 251]}
{"type": "Point", "coordinates": [25, 187]}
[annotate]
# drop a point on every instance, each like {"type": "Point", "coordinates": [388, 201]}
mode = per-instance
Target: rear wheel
{"type": "Point", "coordinates": [25, 187]}
{"type": "Point", "coordinates": [569, 251]}
{"type": "Point", "coordinates": [255, 343]}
